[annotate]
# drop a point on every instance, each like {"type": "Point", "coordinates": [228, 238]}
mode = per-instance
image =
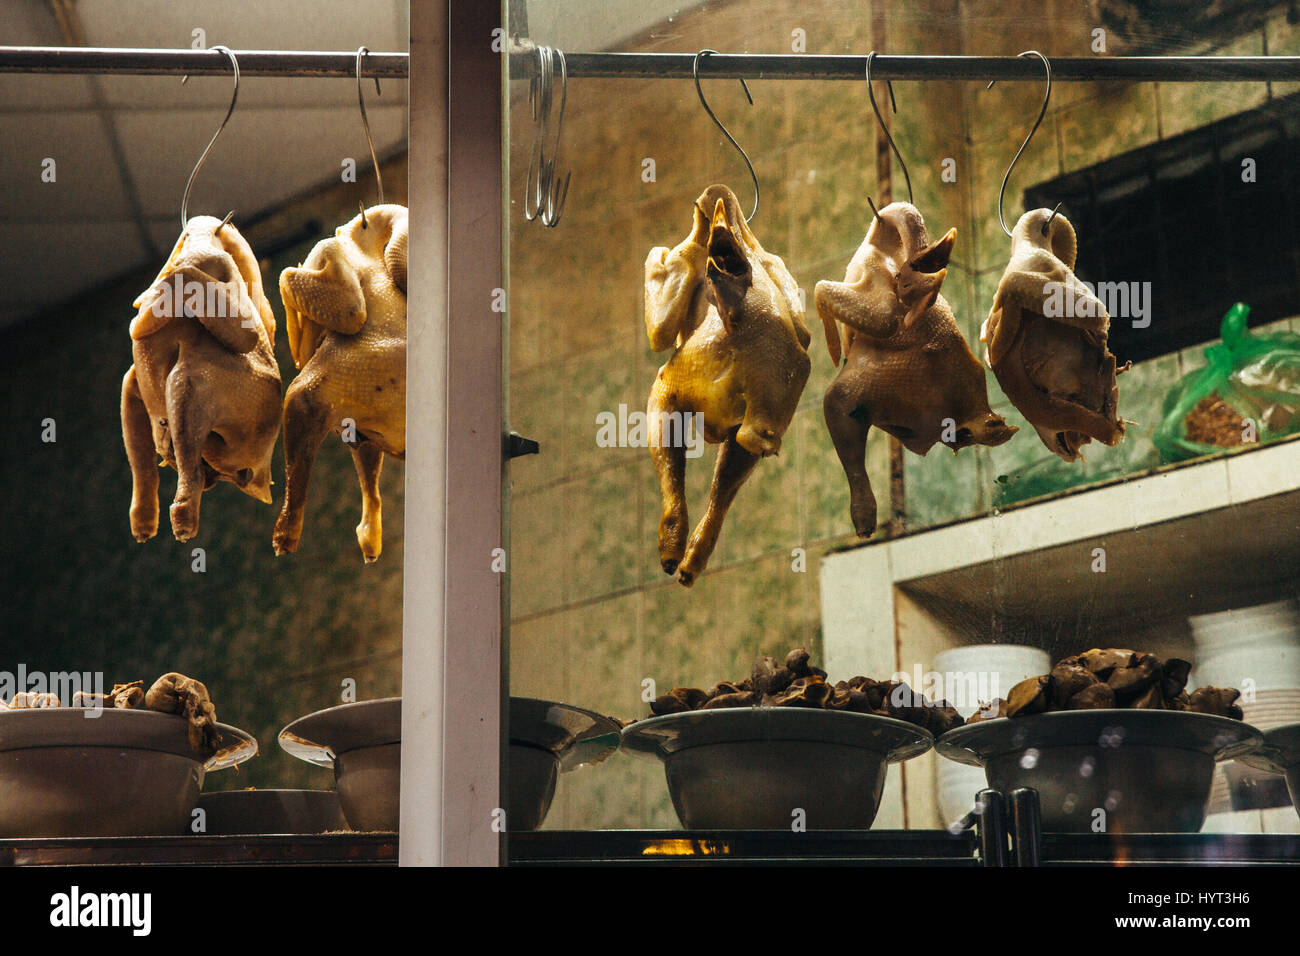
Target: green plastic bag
{"type": "Point", "coordinates": [1248, 392]}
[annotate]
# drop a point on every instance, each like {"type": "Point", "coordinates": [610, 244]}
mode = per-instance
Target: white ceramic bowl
{"type": "Point", "coordinates": [999, 667]}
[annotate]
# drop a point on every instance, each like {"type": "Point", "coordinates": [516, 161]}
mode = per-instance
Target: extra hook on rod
{"type": "Point", "coordinates": [884, 128]}
{"type": "Point", "coordinates": [185, 200]}
{"type": "Point", "coordinates": [695, 70]}
{"type": "Point", "coordinates": [1047, 96]}
{"type": "Point", "coordinates": [543, 193]}
{"type": "Point", "coordinates": [365, 122]}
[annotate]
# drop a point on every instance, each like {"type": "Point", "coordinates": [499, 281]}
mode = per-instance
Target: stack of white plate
{"type": "Point", "coordinates": [1257, 650]}
{"type": "Point", "coordinates": [996, 669]}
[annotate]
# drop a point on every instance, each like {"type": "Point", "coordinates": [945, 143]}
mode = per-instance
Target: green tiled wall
{"type": "Point", "coordinates": [593, 614]}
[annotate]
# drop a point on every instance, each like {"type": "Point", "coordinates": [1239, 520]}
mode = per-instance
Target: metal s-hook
{"type": "Point", "coordinates": [365, 122]}
{"type": "Point", "coordinates": [185, 200]}
{"type": "Point", "coordinates": [871, 94]}
{"type": "Point", "coordinates": [543, 194]}
{"type": "Point", "coordinates": [1047, 96]}
{"type": "Point", "coordinates": [695, 69]}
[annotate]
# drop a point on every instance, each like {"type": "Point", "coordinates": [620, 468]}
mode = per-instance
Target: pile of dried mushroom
{"type": "Point", "coordinates": [170, 694]}
{"type": "Point", "coordinates": [797, 683]}
{"type": "Point", "coordinates": [1112, 677]}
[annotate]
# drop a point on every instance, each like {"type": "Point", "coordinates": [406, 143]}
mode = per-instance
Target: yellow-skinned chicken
{"type": "Point", "coordinates": [1046, 337]}
{"type": "Point", "coordinates": [733, 313]}
{"type": "Point", "coordinates": [345, 314]}
{"type": "Point", "coordinates": [907, 369]}
{"type": "Point", "coordinates": [204, 393]}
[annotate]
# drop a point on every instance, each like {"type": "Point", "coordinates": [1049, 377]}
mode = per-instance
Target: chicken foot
{"type": "Point", "coordinates": [369, 459]}
{"type": "Point", "coordinates": [143, 458]}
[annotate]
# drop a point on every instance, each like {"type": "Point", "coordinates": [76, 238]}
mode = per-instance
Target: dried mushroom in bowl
{"type": "Point", "coordinates": [172, 693]}
{"type": "Point", "coordinates": [796, 682]}
{"type": "Point", "coordinates": [1112, 677]}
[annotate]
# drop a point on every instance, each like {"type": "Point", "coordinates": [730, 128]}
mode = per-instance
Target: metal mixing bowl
{"type": "Point", "coordinates": [1114, 770]}
{"type": "Point", "coordinates": [124, 773]}
{"type": "Point", "coordinates": [548, 738]}
{"type": "Point", "coordinates": [1280, 753]}
{"type": "Point", "coordinates": [756, 768]}
{"type": "Point", "coordinates": [362, 742]}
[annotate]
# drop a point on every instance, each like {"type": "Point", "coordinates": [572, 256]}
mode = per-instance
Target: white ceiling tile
{"type": "Point", "coordinates": [263, 158]}
{"type": "Point", "coordinates": [50, 262]}
{"type": "Point", "coordinates": [87, 183]}
{"type": "Point", "coordinates": [28, 23]}
{"type": "Point", "coordinates": [249, 24]}
{"type": "Point", "coordinates": [286, 135]}
{"type": "Point", "coordinates": [50, 93]}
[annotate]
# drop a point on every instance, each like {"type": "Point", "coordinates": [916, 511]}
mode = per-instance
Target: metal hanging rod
{"type": "Point", "coordinates": [763, 66]}
{"type": "Point", "coordinates": [754, 66]}
{"type": "Point", "coordinates": [62, 59]}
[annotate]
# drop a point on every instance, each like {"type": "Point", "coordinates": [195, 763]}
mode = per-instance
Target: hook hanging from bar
{"type": "Point", "coordinates": [885, 129]}
{"type": "Point", "coordinates": [365, 122]}
{"type": "Point", "coordinates": [185, 200]}
{"type": "Point", "coordinates": [695, 69]}
{"type": "Point", "coordinates": [1047, 96]}
{"type": "Point", "coordinates": [543, 194]}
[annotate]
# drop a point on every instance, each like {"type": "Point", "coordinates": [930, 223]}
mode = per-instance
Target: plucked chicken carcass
{"type": "Point", "coordinates": [345, 312]}
{"type": "Point", "coordinates": [1046, 338]}
{"type": "Point", "coordinates": [204, 393]}
{"type": "Point", "coordinates": [740, 363]}
{"type": "Point", "coordinates": [908, 369]}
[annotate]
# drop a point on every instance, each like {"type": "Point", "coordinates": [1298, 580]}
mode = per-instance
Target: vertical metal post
{"type": "Point", "coordinates": [1026, 826]}
{"type": "Point", "coordinates": [423, 610]}
{"type": "Point", "coordinates": [992, 828]}
{"type": "Point", "coordinates": [475, 698]}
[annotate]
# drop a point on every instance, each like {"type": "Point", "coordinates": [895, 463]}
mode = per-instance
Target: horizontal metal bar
{"type": "Point", "coordinates": [60, 59]}
{"type": "Point", "coordinates": [756, 66]}
{"type": "Point", "coordinates": [763, 66]}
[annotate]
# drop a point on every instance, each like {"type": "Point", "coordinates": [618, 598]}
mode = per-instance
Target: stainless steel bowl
{"type": "Point", "coordinates": [772, 768]}
{"type": "Point", "coordinates": [362, 742]}
{"type": "Point", "coordinates": [228, 812]}
{"type": "Point", "coordinates": [1280, 753]}
{"type": "Point", "coordinates": [547, 739]}
{"type": "Point", "coordinates": [124, 773]}
{"type": "Point", "coordinates": [533, 773]}
{"type": "Point", "coordinates": [1114, 771]}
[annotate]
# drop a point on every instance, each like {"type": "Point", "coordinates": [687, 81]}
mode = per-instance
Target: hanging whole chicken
{"type": "Point", "coordinates": [345, 313]}
{"type": "Point", "coordinates": [1046, 337]}
{"type": "Point", "coordinates": [907, 369]}
{"type": "Point", "coordinates": [204, 393]}
{"type": "Point", "coordinates": [740, 363]}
